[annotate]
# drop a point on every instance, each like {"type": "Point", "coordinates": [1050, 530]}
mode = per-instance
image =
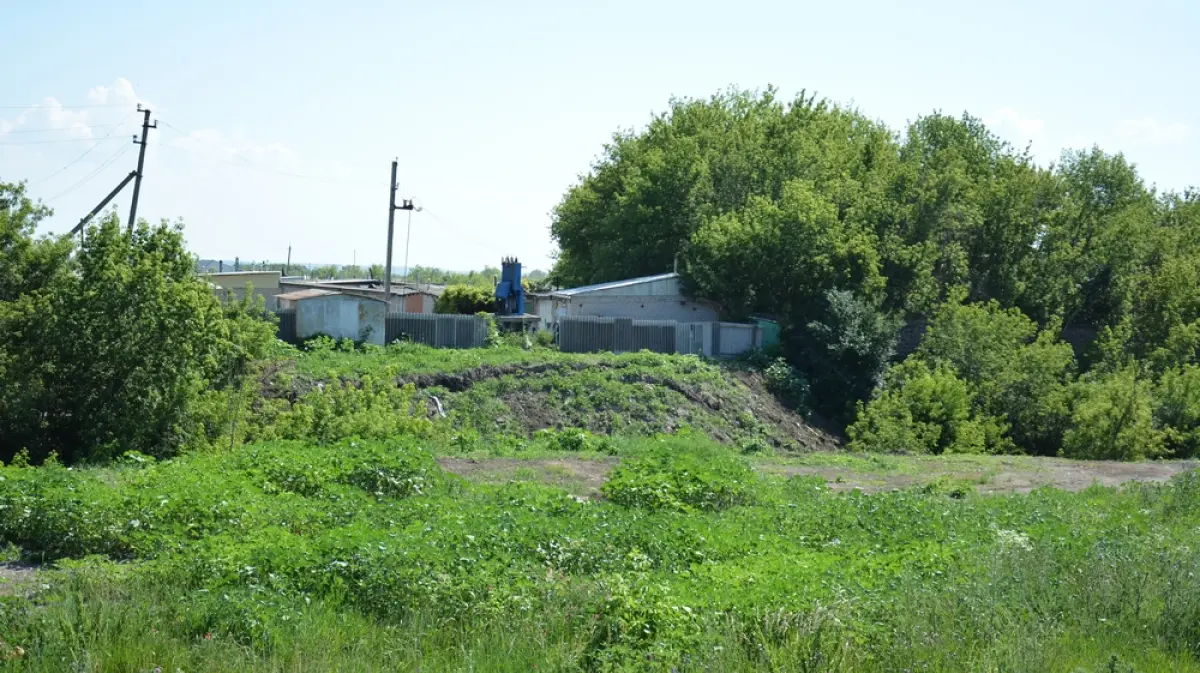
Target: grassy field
{"type": "Point", "coordinates": [334, 553]}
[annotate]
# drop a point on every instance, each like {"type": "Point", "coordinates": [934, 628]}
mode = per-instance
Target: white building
{"type": "Point", "coordinates": [647, 298]}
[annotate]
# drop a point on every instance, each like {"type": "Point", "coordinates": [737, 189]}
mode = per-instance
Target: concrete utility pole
{"type": "Point", "coordinates": [288, 266]}
{"type": "Point", "coordinates": [137, 183]}
{"type": "Point", "coordinates": [392, 208]}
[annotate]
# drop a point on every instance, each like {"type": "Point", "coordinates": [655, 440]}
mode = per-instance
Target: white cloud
{"type": "Point", "coordinates": [119, 93]}
{"type": "Point", "coordinates": [215, 145]}
{"type": "Point", "coordinates": [50, 115]}
{"type": "Point", "coordinates": [1150, 131]}
{"type": "Point", "coordinates": [1008, 122]}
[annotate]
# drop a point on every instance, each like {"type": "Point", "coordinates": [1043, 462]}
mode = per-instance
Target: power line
{"type": "Point", "coordinates": [65, 107]}
{"type": "Point", "coordinates": [85, 153]}
{"type": "Point", "coordinates": [61, 128]}
{"type": "Point", "coordinates": [91, 175]}
{"type": "Point", "coordinates": [60, 140]}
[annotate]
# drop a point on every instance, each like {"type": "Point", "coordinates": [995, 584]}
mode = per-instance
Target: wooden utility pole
{"type": "Point", "coordinates": [137, 183]}
{"type": "Point", "coordinates": [392, 208]}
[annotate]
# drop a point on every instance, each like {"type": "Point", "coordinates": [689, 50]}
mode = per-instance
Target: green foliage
{"type": "Point", "coordinates": [114, 352]}
{"type": "Point", "coordinates": [1178, 411]}
{"type": "Point", "coordinates": [466, 300]}
{"type": "Point", "coordinates": [364, 555]}
{"type": "Point", "coordinates": [1014, 371]}
{"type": "Point", "coordinates": [786, 383]}
{"type": "Point", "coordinates": [26, 263]}
{"type": "Point", "coordinates": [671, 478]}
{"type": "Point", "coordinates": [772, 205]}
{"type": "Point", "coordinates": [1113, 419]}
{"type": "Point", "coordinates": [924, 409]}
{"type": "Point", "coordinates": [845, 353]}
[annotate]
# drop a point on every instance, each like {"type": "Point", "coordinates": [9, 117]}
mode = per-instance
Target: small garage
{"type": "Point", "coordinates": [338, 315]}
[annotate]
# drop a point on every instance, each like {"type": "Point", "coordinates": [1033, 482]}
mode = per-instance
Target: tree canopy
{"type": "Point", "coordinates": [803, 208]}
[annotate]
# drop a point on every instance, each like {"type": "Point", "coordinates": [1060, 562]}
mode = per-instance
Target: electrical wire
{"type": "Point", "coordinates": [61, 128]}
{"type": "Point", "coordinates": [65, 107]}
{"type": "Point", "coordinates": [60, 140]}
{"type": "Point", "coordinates": [91, 175]}
{"type": "Point", "coordinates": [85, 153]}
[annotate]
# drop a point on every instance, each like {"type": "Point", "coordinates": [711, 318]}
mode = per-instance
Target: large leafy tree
{"type": "Point", "coordinates": [110, 350]}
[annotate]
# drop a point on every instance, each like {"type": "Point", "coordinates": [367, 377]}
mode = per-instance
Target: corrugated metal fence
{"type": "Point", "coordinates": [589, 334]}
{"type": "Point", "coordinates": [439, 331]}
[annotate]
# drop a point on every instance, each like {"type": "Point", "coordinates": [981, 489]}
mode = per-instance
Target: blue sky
{"type": "Point", "coordinates": [494, 109]}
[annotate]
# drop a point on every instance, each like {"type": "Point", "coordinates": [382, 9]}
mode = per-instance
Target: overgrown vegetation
{"type": "Point", "coordinates": [284, 555]}
{"type": "Point", "coordinates": [843, 229]}
{"type": "Point", "coordinates": [114, 348]}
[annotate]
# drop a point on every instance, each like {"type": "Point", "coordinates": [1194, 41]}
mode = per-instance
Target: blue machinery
{"type": "Point", "coordinates": [510, 295]}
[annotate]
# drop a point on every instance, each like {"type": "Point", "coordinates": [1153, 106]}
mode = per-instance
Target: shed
{"type": "Point", "coordinates": [233, 284]}
{"type": "Point", "coordinates": [657, 297]}
{"type": "Point", "coordinates": [341, 316]}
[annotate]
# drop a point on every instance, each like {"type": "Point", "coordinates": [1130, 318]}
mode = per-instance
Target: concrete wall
{"type": "Point", "coordinates": [642, 308]}
{"type": "Point", "coordinates": [342, 317]}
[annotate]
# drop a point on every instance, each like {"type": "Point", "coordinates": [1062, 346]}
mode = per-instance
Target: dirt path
{"type": "Point", "coordinates": [989, 475]}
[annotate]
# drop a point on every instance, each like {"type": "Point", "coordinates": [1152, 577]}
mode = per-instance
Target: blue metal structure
{"type": "Point", "coordinates": [510, 295]}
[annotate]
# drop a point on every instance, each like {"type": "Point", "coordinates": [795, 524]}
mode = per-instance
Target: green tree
{"type": "Point", "coordinates": [112, 355]}
{"type": "Point", "coordinates": [923, 409]}
{"type": "Point", "coordinates": [1113, 419]}
{"type": "Point", "coordinates": [26, 262]}
{"type": "Point", "coordinates": [465, 300]}
{"type": "Point", "coordinates": [1015, 372]}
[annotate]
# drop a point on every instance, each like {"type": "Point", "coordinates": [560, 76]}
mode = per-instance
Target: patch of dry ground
{"type": "Point", "coordinates": [17, 578]}
{"type": "Point", "coordinates": [999, 475]}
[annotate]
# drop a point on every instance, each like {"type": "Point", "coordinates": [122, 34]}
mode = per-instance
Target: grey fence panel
{"type": "Point", "coordinates": [692, 338]}
{"type": "Point", "coordinates": [439, 331]}
{"type": "Point", "coordinates": [737, 338]}
{"type": "Point", "coordinates": [585, 334]}
{"type": "Point", "coordinates": [657, 335]}
{"type": "Point", "coordinates": [287, 325]}
{"type": "Point", "coordinates": [591, 334]}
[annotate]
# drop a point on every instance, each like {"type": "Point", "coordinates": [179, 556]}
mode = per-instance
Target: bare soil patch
{"type": "Point", "coordinates": [585, 477]}
{"type": "Point", "coordinates": [576, 475]}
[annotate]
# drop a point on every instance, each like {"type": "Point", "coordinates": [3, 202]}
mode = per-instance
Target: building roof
{"type": "Point", "coordinates": [305, 294]}
{"type": "Point", "coordinates": [615, 284]}
{"type": "Point", "coordinates": [236, 280]}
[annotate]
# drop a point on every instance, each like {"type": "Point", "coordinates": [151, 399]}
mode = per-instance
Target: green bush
{"type": "Point", "coordinates": [924, 409]}
{"type": "Point", "coordinates": [1113, 419]}
{"type": "Point", "coordinates": [787, 384]}
{"type": "Point", "coordinates": [682, 480]}
{"type": "Point", "coordinates": [1014, 371]}
{"type": "Point", "coordinates": [1178, 411]}
{"type": "Point", "coordinates": [114, 353]}
{"type": "Point", "coordinates": [465, 300]}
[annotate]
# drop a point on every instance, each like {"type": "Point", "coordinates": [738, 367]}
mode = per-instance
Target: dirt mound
{"type": "Point", "coordinates": [733, 407]}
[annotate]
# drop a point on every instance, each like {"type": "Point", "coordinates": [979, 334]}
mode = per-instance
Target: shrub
{"type": "Point", "coordinates": [923, 409]}
{"type": "Point", "coordinates": [465, 300]}
{"type": "Point", "coordinates": [845, 353]}
{"type": "Point", "coordinates": [114, 354]}
{"type": "Point", "coordinates": [787, 384]}
{"type": "Point", "coordinates": [1178, 411]}
{"type": "Point", "coordinates": [1113, 419]}
{"type": "Point", "coordinates": [575, 440]}
{"type": "Point", "coordinates": [682, 481]}
{"type": "Point", "coordinates": [1013, 371]}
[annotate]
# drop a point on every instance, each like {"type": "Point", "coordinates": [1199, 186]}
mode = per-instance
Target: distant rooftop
{"type": "Point", "coordinates": [615, 284]}
{"type": "Point", "coordinates": [305, 294]}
